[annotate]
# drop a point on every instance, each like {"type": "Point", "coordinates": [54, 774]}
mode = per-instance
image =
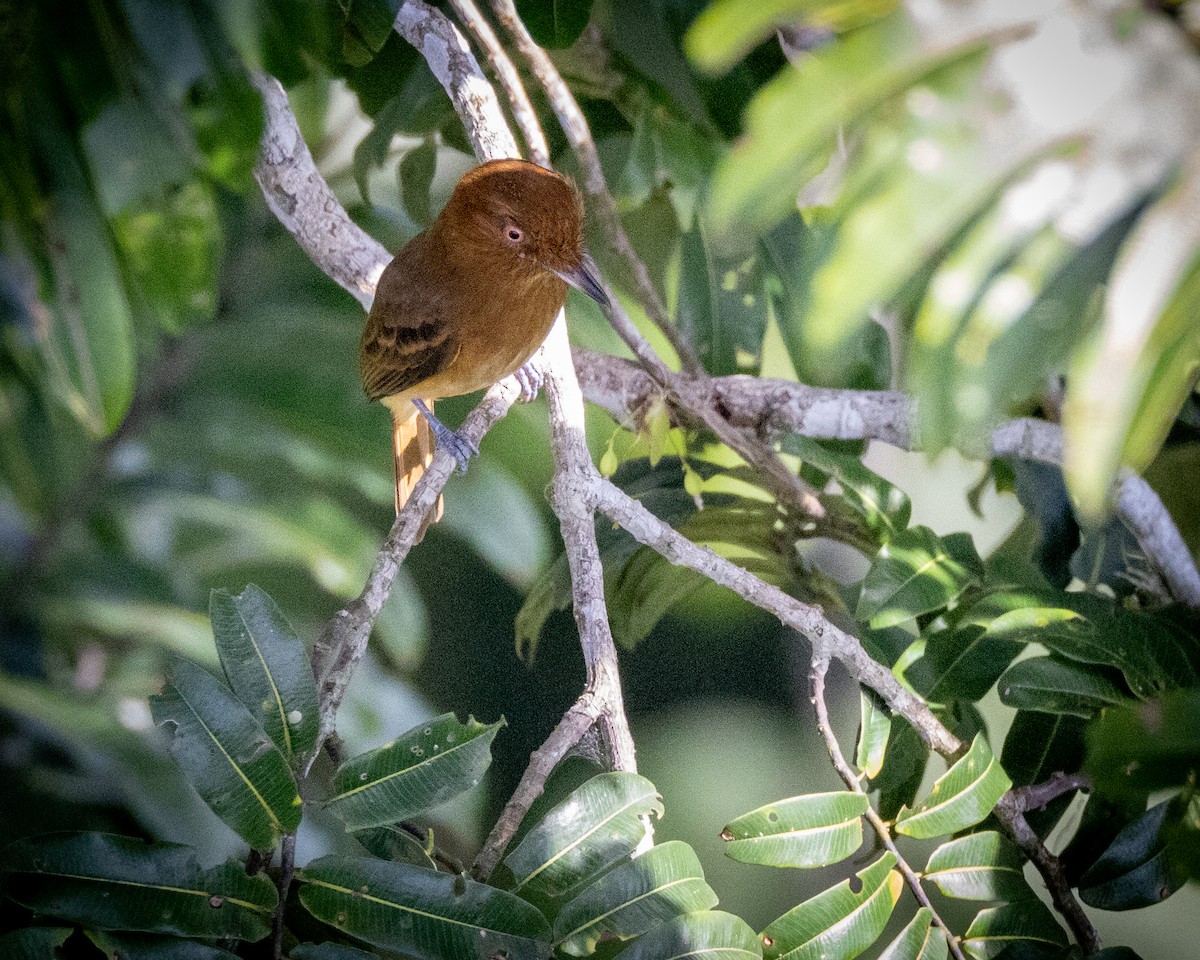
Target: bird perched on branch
{"type": "Point", "coordinates": [469, 301]}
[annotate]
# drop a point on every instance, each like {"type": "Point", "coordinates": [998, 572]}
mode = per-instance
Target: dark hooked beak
{"type": "Point", "coordinates": [586, 279]}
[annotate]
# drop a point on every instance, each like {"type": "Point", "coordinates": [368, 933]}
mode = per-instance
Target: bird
{"type": "Point", "coordinates": [469, 301]}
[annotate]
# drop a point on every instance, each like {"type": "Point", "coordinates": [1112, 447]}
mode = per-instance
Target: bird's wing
{"type": "Point", "coordinates": [409, 333]}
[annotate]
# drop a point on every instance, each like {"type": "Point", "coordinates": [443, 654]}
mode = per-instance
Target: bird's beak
{"type": "Point", "coordinates": [586, 279]}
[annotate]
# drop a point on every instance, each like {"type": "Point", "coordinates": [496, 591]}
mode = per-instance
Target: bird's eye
{"type": "Point", "coordinates": [513, 234]}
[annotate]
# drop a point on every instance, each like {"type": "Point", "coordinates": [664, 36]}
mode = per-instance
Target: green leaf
{"type": "Point", "coordinates": [421, 912]}
{"type": "Point", "coordinates": [962, 664]}
{"type": "Point", "coordinates": [1143, 864]}
{"type": "Point", "coordinates": [133, 946]}
{"type": "Point", "coordinates": [903, 770]}
{"type": "Point", "coordinates": [393, 842]}
{"type": "Point", "coordinates": [366, 26]}
{"type": "Point", "coordinates": [960, 798]}
{"type": "Point", "coordinates": [267, 667]}
{"type": "Point", "coordinates": [555, 24]}
{"type": "Point", "coordinates": [34, 943]}
{"type": "Point", "coordinates": [913, 574]}
{"type": "Point", "coordinates": [874, 732]}
{"type": "Point", "coordinates": [598, 824]}
{"type": "Point", "coordinates": [1143, 747]}
{"type": "Point", "coordinates": [839, 923]}
{"type": "Point", "coordinates": [919, 940]}
{"type": "Point", "coordinates": [1125, 390]}
{"type": "Point", "coordinates": [727, 30]}
{"type": "Point", "coordinates": [1055, 686]}
{"type": "Point", "coordinates": [430, 764]}
{"type": "Point", "coordinates": [885, 507]}
{"type": "Point", "coordinates": [995, 928]}
{"type": "Point", "coordinates": [662, 883]}
{"type": "Point", "coordinates": [980, 866]}
{"type": "Point", "coordinates": [234, 766]}
{"type": "Point", "coordinates": [107, 882]}
{"type": "Point", "coordinates": [416, 171]}
{"type": "Point", "coordinates": [807, 831]}
{"type": "Point", "coordinates": [328, 951]}
{"type": "Point", "coordinates": [696, 936]}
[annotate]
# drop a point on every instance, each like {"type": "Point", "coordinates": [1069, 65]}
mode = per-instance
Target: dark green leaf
{"type": "Point", "coordinates": [328, 951]}
{"type": "Point", "coordinates": [839, 923]}
{"type": "Point", "coordinates": [960, 798]}
{"type": "Point", "coordinates": [555, 24]}
{"type": "Point", "coordinates": [885, 508]}
{"type": "Point", "coordinates": [108, 882]}
{"type": "Point", "coordinates": [133, 946]}
{"type": "Point", "coordinates": [421, 912]}
{"type": "Point", "coordinates": [1037, 746]}
{"type": "Point", "coordinates": [1055, 686]}
{"type": "Point", "coordinates": [600, 823]}
{"type": "Point", "coordinates": [913, 574]}
{"type": "Point", "coordinates": [979, 866]}
{"type": "Point", "coordinates": [664, 882]}
{"type": "Point", "coordinates": [366, 26]}
{"type": "Point", "coordinates": [427, 766]}
{"type": "Point", "coordinates": [807, 831]}
{"type": "Point", "coordinates": [416, 171]}
{"type": "Point", "coordinates": [397, 843]}
{"type": "Point", "coordinates": [267, 667]}
{"type": "Point", "coordinates": [34, 943]}
{"type": "Point", "coordinates": [696, 936]}
{"type": "Point", "coordinates": [228, 757]}
{"type": "Point", "coordinates": [1142, 866]}
{"type": "Point", "coordinates": [903, 769]}
{"type": "Point", "coordinates": [1147, 746]}
{"type": "Point", "coordinates": [962, 664]}
{"type": "Point", "coordinates": [995, 928]}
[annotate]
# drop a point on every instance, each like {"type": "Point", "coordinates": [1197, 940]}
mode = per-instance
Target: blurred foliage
{"type": "Point", "coordinates": [992, 208]}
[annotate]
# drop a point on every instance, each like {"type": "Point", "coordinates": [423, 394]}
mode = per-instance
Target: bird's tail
{"type": "Point", "coordinates": [412, 446]}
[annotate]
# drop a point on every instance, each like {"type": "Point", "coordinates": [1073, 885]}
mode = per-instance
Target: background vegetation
{"type": "Point", "coordinates": [991, 207]}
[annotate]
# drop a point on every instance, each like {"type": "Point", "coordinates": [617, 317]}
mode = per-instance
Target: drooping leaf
{"type": "Point", "coordinates": [979, 866]}
{"type": "Point", "coordinates": [874, 732]}
{"type": "Point", "coordinates": [136, 946]}
{"type": "Point", "coordinates": [419, 912]}
{"type": "Point", "coordinates": [914, 573]}
{"type": "Point", "coordinates": [996, 928]}
{"type": "Point", "coordinates": [903, 770]}
{"type": "Point", "coordinates": [266, 665]}
{"type": "Point", "coordinates": [839, 923]}
{"type": "Point", "coordinates": [555, 24]}
{"type": "Point", "coordinates": [812, 830]}
{"type": "Point", "coordinates": [107, 882]}
{"type": "Point", "coordinates": [227, 756]}
{"type": "Point", "coordinates": [919, 940]}
{"type": "Point", "coordinates": [394, 842]}
{"type": "Point", "coordinates": [960, 798]}
{"type": "Point", "coordinates": [885, 507]}
{"type": "Point", "coordinates": [1056, 686]}
{"type": "Point", "coordinates": [1143, 865]}
{"type": "Point", "coordinates": [598, 824]}
{"type": "Point", "coordinates": [664, 882]}
{"type": "Point", "coordinates": [427, 766]}
{"type": "Point", "coordinates": [697, 936]}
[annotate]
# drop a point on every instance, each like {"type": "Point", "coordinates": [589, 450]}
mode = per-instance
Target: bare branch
{"type": "Point", "coordinates": [819, 668]}
{"type": "Point", "coordinates": [1037, 796]}
{"type": "Point", "coordinates": [287, 873]}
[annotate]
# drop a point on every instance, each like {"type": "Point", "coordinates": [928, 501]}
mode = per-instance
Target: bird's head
{"type": "Point", "coordinates": [525, 216]}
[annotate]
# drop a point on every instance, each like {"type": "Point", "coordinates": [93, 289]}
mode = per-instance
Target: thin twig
{"type": "Point", "coordinates": [1037, 796]}
{"type": "Point", "coordinates": [820, 667]}
{"type": "Point", "coordinates": [287, 871]}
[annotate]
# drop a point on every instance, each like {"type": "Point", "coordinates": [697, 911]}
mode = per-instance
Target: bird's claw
{"type": "Point", "coordinates": [529, 378]}
{"type": "Point", "coordinates": [458, 447]}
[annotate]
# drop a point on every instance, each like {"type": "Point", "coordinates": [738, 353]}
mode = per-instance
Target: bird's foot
{"type": "Point", "coordinates": [529, 378]}
{"type": "Point", "coordinates": [455, 443]}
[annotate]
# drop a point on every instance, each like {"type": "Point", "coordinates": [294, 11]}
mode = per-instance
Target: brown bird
{"type": "Point", "coordinates": [469, 301]}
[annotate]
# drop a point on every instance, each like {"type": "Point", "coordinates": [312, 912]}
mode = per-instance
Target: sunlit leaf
{"type": "Point", "coordinates": [919, 940]}
{"type": "Point", "coordinates": [995, 928]}
{"type": "Point", "coordinates": [1056, 686]}
{"type": "Point", "coordinates": [914, 573]}
{"type": "Point", "coordinates": [839, 923]}
{"type": "Point", "coordinates": [697, 936]}
{"type": "Point", "coordinates": [108, 882]}
{"type": "Point", "coordinates": [419, 912]}
{"type": "Point", "coordinates": [267, 667]}
{"type": "Point", "coordinates": [874, 732]}
{"type": "Point", "coordinates": [664, 882]}
{"type": "Point", "coordinates": [427, 766]}
{"type": "Point", "coordinates": [960, 798]}
{"type": "Point", "coordinates": [230, 760]}
{"type": "Point", "coordinates": [598, 824]}
{"type": "Point", "coordinates": [806, 831]}
{"type": "Point", "coordinates": [979, 866]}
